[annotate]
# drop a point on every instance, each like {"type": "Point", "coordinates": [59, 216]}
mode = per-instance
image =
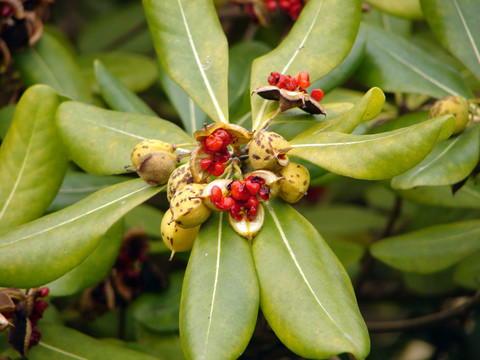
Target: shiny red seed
{"type": "Point", "coordinates": [5, 10]}
{"type": "Point", "coordinates": [213, 143]}
{"type": "Point", "coordinates": [239, 191]}
{"type": "Point", "coordinates": [317, 94]}
{"type": "Point", "coordinates": [227, 202]}
{"type": "Point", "coordinates": [40, 305]}
{"type": "Point", "coordinates": [252, 202]}
{"type": "Point", "coordinates": [256, 179]}
{"type": "Point", "coordinates": [252, 213]}
{"type": "Point", "coordinates": [216, 169]}
{"type": "Point", "coordinates": [252, 187]}
{"type": "Point", "coordinates": [43, 292]}
{"type": "Point", "coordinates": [303, 79]}
{"type": "Point", "coordinates": [271, 5]}
{"type": "Point", "coordinates": [225, 136]}
{"type": "Point", "coordinates": [205, 163]}
{"type": "Point", "coordinates": [264, 192]}
{"type": "Point", "coordinates": [235, 211]}
{"type": "Point", "coordinates": [223, 155]}
{"type": "Point", "coordinates": [216, 194]}
{"type": "Point", "coordinates": [274, 78]}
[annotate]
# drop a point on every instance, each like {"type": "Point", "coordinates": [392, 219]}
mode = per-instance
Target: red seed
{"type": "Point", "coordinates": [264, 192]}
{"type": "Point", "coordinates": [205, 164]}
{"type": "Point", "coordinates": [303, 79]}
{"type": "Point", "coordinates": [223, 155]}
{"type": "Point", "coordinates": [40, 306]}
{"type": "Point", "coordinates": [317, 94]}
{"type": "Point", "coordinates": [216, 194]}
{"type": "Point", "coordinates": [225, 136]}
{"type": "Point", "coordinates": [226, 203]}
{"type": "Point", "coordinates": [252, 202]}
{"type": "Point", "coordinates": [235, 211]}
{"type": "Point", "coordinates": [256, 179]}
{"type": "Point", "coordinates": [274, 78]}
{"type": "Point", "coordinates": [252, 213]}
{"type": "Point", "coordinates": [43, 292]}
{"type": "Point", "coordinates": [239, 191]}
{"type": "Point", "coordinates": [216, 169]}
{"type": "Point", "coordinates": [271, 5]}
{"type": "Point", "coordinates": [252, 187]}
{"type": "Point", "coordinates": [213, 143]}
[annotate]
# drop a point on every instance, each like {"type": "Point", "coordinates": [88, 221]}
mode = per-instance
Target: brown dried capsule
{"type": "Point", "coordinates": [155, 168]}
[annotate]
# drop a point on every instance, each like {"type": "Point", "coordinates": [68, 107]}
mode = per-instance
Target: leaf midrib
{"type": "Point", "coordinates": [63, 352]}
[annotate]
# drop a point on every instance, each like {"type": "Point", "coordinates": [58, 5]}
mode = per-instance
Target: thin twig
{"type": "Point", "coordinates": [425, 321]}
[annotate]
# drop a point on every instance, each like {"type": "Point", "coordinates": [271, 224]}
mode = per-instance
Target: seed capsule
{"type": "Point", "coordinates": [147, 146]}
{"type": "Point", "coordinates": [239, 134]}
{"type": "Point", "coordinates": [268, 151]}
{"type": "Point", "coordinates": [187, 206]}
{"type": "Point", "coordinates": [295, 182]}
{"type": "Point", "coordinates": [246, 228]}
{"type": "Point", "coordinates": [180, 177]}
{"type": "Point", "coordinates": [175, 237]}
{"type": "Point", "coordinates": [454, 105]}
{"type": "Point", "coordinates": [222, 184]}
{"type": "Point", "coordinates": [155, 168]}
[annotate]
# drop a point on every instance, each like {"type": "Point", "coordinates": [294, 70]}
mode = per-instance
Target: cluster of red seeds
{"type": "Point", "coordinates": [291, 7]}
{"type": "Point", "coordinates": [297, 83]}
{"type": "Point", "coordinates": [216, 145]}
{"type": "Point", "coordinates": [243, 199]}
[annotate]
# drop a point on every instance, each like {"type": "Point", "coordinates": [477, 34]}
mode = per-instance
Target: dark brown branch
{"type": "Point", "coordinates": [427, 320]}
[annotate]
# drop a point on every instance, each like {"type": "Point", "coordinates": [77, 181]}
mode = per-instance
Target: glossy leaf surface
{"type": "Point", "coordinates": [147, 218]}
{"type": "Point", "coordinates": [416, 70]}
{"type": "Point", "coordinates": [190, 113]}
{"type": "Point", "coordinates": [467, 272]}
{"type": "Point", "coordinates": [94, 268]}
{"type": "Point", "coordinates": [318, 42]}
{"type": "Point", "coordinates": [59, 343]}
{"type": "Point", "coordinates": [100, 141]}
{"type": "Point", "coordinates": [116, 94]}
{"type": "Point", "coordinates": [49, 62]}
{"type": "Point", "coordinates": [193, 50]}
{"type": "Point", "coordinates": [33, 159]}
{"type": "Point", "coordinates": [220, 288]}
{"type": "Point", "coordinates": [366, 109]}
{"type": "Point", "coordinates": [455, 24]}
{"type": "Point", "coordinates": [371, 157]}
{"type": "Point", "coordinates": [451, 161]}
{"type": "Point", "coordinates": [68, 235]}
{"type": "Point", "coordinates": [305, 293]}
{"type": "Point", "coordinates": [409, 9]}
{"type": "Point", "coordinates": [431, 249]}
{"type": "Point", "coordinates": [136, 72]}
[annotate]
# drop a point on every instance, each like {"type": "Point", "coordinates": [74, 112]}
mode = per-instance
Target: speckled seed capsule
{"type": "Point", "coordinates": [248, 229]}
{"type": "Point", "coordinates": [271, 180]}
{"type": "Point", "coordinates": [155, 168]}
{"type": "Point", "coordinates": [147, 146]}
{"type": "Point", "coordinates": [187, 206]}
{"type": "Point", "coordinates": [267, 151]}
{"type": "Point", "coordinates": [180, 177]}
{"type": "Point", "coordinates": [295, 182]}
{"type": "Point", "coordinates": [175, 237]}
{"type": "Point", "coordinates": [452, 105]}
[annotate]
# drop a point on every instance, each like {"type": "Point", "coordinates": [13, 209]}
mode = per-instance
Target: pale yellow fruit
{"type": "Point", "coordinates": [452, 105]}
{"type": "Point", "coordinates": [175, 237]}
{"type": "Point", "coordinates": [267, 151]}
{"type": "Point", "coordinates": [180, 177]}
{"type": "Point", "coordinates": [295, 182]}
{"type": "Point", "coordinates": [147, 146]}
{"type": "Point", "coordinates": [187, 206]}
{"type": "Point", "coordinates": [155, 168]}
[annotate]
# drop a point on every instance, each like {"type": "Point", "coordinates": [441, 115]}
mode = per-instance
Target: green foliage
{"type": "Point", "coordinates": [393, 195]}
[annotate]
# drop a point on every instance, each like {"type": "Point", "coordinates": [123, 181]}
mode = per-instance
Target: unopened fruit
{"type": "Point", "coordinates": [268, 151]}
{"type": "Point", "coordinates": [180, 177]}
{"type": "Point", "coordinates": [155, 167]}
{"type": "Point", "coordinates": [187, 206]}
{"type": "Point", "coordinates": [147, 146]}
{"type": "Point", "coordinates": [294, 183]}
{"type": "Point", "coordinates": [175, 237]}
{"type": "Point", "coordinates": [452, 105]}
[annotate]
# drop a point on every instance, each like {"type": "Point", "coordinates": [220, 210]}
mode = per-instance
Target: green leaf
{"type": "Point", "coordinates": [373, 157]}
{"type": "Point", "coordinates": [467, 272]}
{"type": "Point", "coordinates": [455, 25]}
{"type": "Point", "coordinates": [191, 115]}
{"type": "Point", "coordinates": [117, 95]}
{"type": "Point", "coordinates": [220, 296]}
{"type": "Point", "coordinates": [50, 62]}
{"type": "Point", "coordinates": [305, 293]}
{"type": "Point", "coordinates": [318, 42]}
{"type": "Point", "coordinates": [6, 117]}
{"type": "Point", "coordinates": [467, 197]}
{"type": "Point", "coordinates": [415, 70]}
{"type": "Point", "coordinates": [366, 109]}
{"type": "Point", "coordinates": [118, 26]}
{"type": "Point", "coordinates": [431, 249]}
{"type": "Point", "coordinates": [32, 159]}
{"type": "Point", "coordinates": [78, 185]}
{"type": "Point", "coordinates": [160, 312]}
{"type": "Point", "coordinates": [193, 50]}
{"type": "Point", "coordinates": [409, 9]}
{"type": "Point", "coordinates": [100, 141]}
{"type": "Point", "coordinates": [68, 235]}
{"type": "Point", "coordinates": [451, 161]}
{"type": "Point", "coordinates": [146, 217]}
{"type": "Point", "coordinates": [136, 72]}
{"type": "Point", "coordinates": [347, 67]}
{"type": "Point", "coordinates": [430, 284]}
{"type": "Point", "coordinates": [94, 268]}
{"type": "Point", "coordinates": [60, 342]}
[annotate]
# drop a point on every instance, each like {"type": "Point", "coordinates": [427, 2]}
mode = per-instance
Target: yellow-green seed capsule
{"type": "Point", "coordinates": [147, 146]}
{"type": "Point", "coordinates": [155, 168]}
{"type": "Point", "coordinates": [175, 237]}
{"type": "Point", "coordinates": [268, 151]}
{"type": "Point", "coordinates": [295, 182]}
{"type": "Point", "coordinates": [180, 177]}
{"type": "Point", "coordinates": [248, 229]}
{"type": "Point", "coordinates": [187, 206]}
{"type": "Point", "coordinates": [452, 105]}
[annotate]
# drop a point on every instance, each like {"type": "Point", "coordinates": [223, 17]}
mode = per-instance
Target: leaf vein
{"type": "Point", "coordinates": [63, 352]}
{"type": "Point", "coordinates": [467, 30]}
